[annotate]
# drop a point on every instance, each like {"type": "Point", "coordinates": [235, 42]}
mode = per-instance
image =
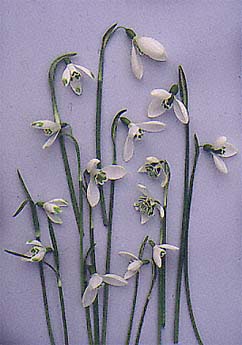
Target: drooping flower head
{"type": "Point", "coordinates": [159, 251]}
{"type": "Point", "coordinates": [163, 100]}
{"type": "Point", "coordinates": [99, 177]}
{"type": "Point", "coordinates": [154, 168]}
{"type": "Point", "coordinates": [221, 149]}
{"type": "Point", "coordinates": [142, 45]}
{"type": "Point", "coordinates": [147, 205]}
{"type": "Point", "coordinates": [136, 132]}
{"type": "Point", "coordinates": [36, 253]}
{"type": "Point", "coordinates": [53, 209]}
{"type": "Point", "coordinates": [134, 265]}
{"type": "Point", "coordinates": [95, 282]}
{"type": "Point", "coordinates": [72, 76]}
{"type": "Point", "coordinates": [50, 129]}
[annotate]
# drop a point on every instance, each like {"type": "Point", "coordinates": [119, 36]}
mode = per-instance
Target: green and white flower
{"type": "Point", "coordinates": [52, 209]}
{"type": "Point", "coordinates": [142, 45]}
{"type": "Point", "coordinates": [154, 168]}
{"type": "Point", "coordinates": [50, 128]}
{"type": "Point", "coordinates": [95, 282]}
{"type": "Point", "coordinates": [72, 76]}
{"type": "Point", "coordinates": [147, 205]}
{"type": "Point", "coordinates": [221, 149]}
{"type": "Point", "coordinates": [99, 177]}
{"type": "Point", "coordinates": [163, 100]}
{"type": "Point", "coordinates": [136, 132]}
{"type": "Point", "coordinates": [36, 253]}
{"type": "Point", "coordinates": [134, 265]}
{"type": "Point", "coordinates": [159, 251]}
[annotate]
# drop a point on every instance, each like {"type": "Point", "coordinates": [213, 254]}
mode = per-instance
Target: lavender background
{"type": "Point", "coordinates": [203, 36]}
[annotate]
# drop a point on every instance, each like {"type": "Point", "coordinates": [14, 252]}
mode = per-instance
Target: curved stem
{"type": "Point", "coordinates": [146, 304]}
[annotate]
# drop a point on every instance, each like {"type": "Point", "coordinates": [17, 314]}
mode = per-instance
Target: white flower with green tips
{"type": "Point", "coordinates": [50, 128]}
{"type": "Point", "coordinates": [221, 149]}
{"type": "Point", "coordinates": [99, 176]}
{"type": "Point", "coordinates": [95, 282]}
{"type": "Point", "coordinates": [142, 45]}
{"type": "Point", "coordinates": [36, 253]}
{"type": "Point", "coordinates": [72, 76]}
{"type": "Point", "coordinates": [159, 251]}
{"type": "Point", "coordinates": [154, 168]}
{"type": "Point", "coordinates": [134, 264]}
{"type": "Point", "coordinates": [147, 205]}
{"type": "Point", "coordinates": [136, 132]}
{"type": "Point", "coordinates": [53, 209]}
{"type": "Point", "coordinates": [163, 101]}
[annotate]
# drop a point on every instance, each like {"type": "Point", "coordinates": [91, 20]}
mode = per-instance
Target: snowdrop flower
{"type": "Point", "coordinates": [134, 265]}
{"type": "Point", "coordinates": [99, 177]}
{"type": "Point", "coordinates": [72, 76]}
{"type": "Point", "coordinates": [95, 282]}
{"type": "Point", "coordinates": [159, 251]}
{"type": "Point", "coordinates": [221, 149]}
{"type": "Point", "coordinates": [50, 128]}
{"type": "Point", "coordinates": [52, 209]}
{"type": "Point", "coordinates": [154, 167]}
{"type": "Point", "coordinates": [163, 100]}
{"type": "Point", "coordinates": [136, 132]}
{"type": "Point", "coordinates": [37, 252]}
{"type": "Point", "coordinates": [142, 45]}
{"type": "Point", "coordinates": [146, 205]}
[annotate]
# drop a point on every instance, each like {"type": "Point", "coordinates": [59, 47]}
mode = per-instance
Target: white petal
{"type": "Point", "coordinates": [142, 168]}
{"type": "Point", "coordinates": [93, 194]}
{"type": "Point", "coordinates": [144, 218]}
{"type": "Point", "coordinates": [35, 243]}
{"type": "Point", "coordinates": [54, 218]}
{"type": "Point", "coordinates": [220, 141]}
{"type": "Point", "coordinates": [151, 126]}
{"type": "Point", "coordinates": [46, 124]}
{"type": "Point", "coordinates": [39, 256]}
{"type": "Point", "coordinates": [129, 274]}
{"type": "Point", "coordinates": [220, 165]}
{"type": "Point", "coordinates": [168, 246]}
{"type": "Point", "coordinates": [59, 202]}
{"type": "Point", "coordinates": [230, 150]}
{"type": "Point", "coordinates": [92, 165]}
{"type": "Point", "coordinates": [128, 148]}
{"type": "Point", "coordinates": [86, 71]}
{"type": "Point", "coordinates": [161, 210]}
{"type": "Point", "coordinates": [152, 160]}
{"type": "Point", "coordinates": [151, 47]}
{"type": "Point", "coordinates": [156, 256]}
{"type": "Point", "coordinates": [114, 280]}
{"type": "Point", "coordinates": [130, 255]}
{"type": "Point", "coordinates": [143, 189]}
{"type": "Point", "coordinates": [89, 297]}
{"type": "Point", "coordinates": [161, 93]}
{"type": "Point", "coordinates": [136, 63]}
{"type": "Point", "coordinates": [50, 141]}
{"type": "Point", "coordinates": [114, 172]}
{"type": "Point", "coordinates": [95, 281]}
{"type": "Point", "coordinates": [155, 108]}
{"type": "Point", "coordinates": [66, 76]}
{"type": "Point", "coordinates": [180, 111]}
{"type": "Point", "coordinates": [135, 265]}
{"type": "Point", "coordinates": [76, 86]}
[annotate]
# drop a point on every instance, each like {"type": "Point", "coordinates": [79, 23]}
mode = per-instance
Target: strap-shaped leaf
{"type": "Point", "coordinates": [183, 86]}
{"type": "Point", "coordinates": [21, 207]}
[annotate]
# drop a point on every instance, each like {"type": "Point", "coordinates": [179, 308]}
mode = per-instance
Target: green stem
{"type": "Point", "coordinates": [141, 322]}
{"type": "Point", "coordinates": [60, 290]}
{"type": "Point", "coordinates": [131, 319]}
{"type": "Point", "coordinates": [105, 40]}
{"type": "Point", "coordinates": [41, 270]}
{"type": "Point", "coordinates": [184, 97]}
{"type": "Point", "coordinates": [93, 262]}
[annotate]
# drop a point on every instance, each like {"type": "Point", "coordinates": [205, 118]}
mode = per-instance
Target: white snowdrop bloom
{"type": "Point", "coordinates": [53, 209]}
{"type": "Point", "coordinates": [36, 253]}
{"type": "Point", "coordinates": [147, 205]}
{"type": "Point", "coordinates": [95, 282]}
{"type": "Point", "coordinates": [72, 76]}
{"type": "Point", "coordinates": [221, 149]}
{"type": "Point", "coordinates": [154, 168]}
{"type": "Point", "coordinates": [134, 265]}
{"type": "Point", "coordinates": [50, 128]}
{"type": "Point", "coordinates": [159, 251]}
{"type": "Point", "coordinates": [163, 100]}
{"type": "Point", "coordinates": [99, 177]}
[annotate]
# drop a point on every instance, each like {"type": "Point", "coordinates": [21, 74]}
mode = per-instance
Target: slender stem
{"type": "Point", "coordinates": [184, 97]}
{"type": "Point", "coordinates": [105, 40]}
{"type": "Point", "coordinates": [36, 225]}
{"type": "Point", "coordinates": [60, 290]}
{"type": "Point", "coordinates": [131, 319]}
{"type": "Point", "coordinates": [141, 322]}
{"type": "Point", "coordinates": [93, 262]}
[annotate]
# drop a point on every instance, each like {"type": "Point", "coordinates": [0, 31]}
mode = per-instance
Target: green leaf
{"type": "Point", "coordinates": [21, 207]}
{"type": "Point", "coordinates": [115, 124]}
{"type": "Point", "coordinates": [183, 86]}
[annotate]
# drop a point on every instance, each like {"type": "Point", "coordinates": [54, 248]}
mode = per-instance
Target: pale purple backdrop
{"type": "Point", "coordinates": [203, 36]}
